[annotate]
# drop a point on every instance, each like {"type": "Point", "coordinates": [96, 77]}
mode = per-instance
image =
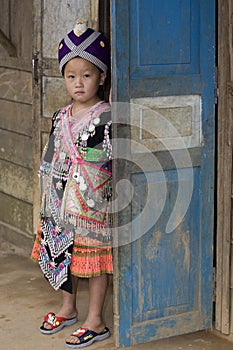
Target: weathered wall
{"type": "Point", "coordinates": [15, 120]}
{"type": "Point", "coordinates": [49, 93]}
{"type": "Point", "coordinates": [23, 103]}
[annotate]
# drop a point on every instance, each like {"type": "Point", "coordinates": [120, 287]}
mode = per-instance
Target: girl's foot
{"type": "Point", "coordinates": [96, 327]}
{"type": "Point", "coordinates": [87, 337]}
{"type": "Point", "coordinates": [63, 317]}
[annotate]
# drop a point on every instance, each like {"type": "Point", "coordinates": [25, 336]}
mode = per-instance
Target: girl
{"type": "Point", "coordinates": [74, 236]}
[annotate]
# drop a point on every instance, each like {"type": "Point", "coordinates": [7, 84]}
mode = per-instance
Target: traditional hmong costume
{"type": "Point", "coordinates": [74, 235]}
{"type": "Point", "coordinates": [75, 230]}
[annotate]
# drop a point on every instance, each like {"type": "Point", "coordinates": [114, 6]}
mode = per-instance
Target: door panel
{"type": "Point", "coordinates": [163, 93]}
{"type": "Point", "coordinates": [165, 266]}
{"type": "Point", "coordinates": [180, 34]}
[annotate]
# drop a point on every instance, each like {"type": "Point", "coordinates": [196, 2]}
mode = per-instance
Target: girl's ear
{"type": "Point", "coordinates": [102, 78]}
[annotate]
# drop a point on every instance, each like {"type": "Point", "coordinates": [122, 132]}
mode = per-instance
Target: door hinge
{"type": "Point", "coordinates": [214, 285]}
{"type": "Point", "coordinates": [216, 88]}
{"type": "Point", "coordinates": [35, 68]}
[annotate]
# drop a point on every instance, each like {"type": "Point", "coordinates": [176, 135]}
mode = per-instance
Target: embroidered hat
{"type": "Point", "coordinates": [85, 43]}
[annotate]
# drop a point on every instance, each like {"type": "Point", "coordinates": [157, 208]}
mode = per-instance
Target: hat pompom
{"type": "Point", "coordinates": [80, 27]}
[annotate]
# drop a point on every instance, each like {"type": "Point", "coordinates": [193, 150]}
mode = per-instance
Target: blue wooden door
{"type": "Point", "coordinates": [163, 92]}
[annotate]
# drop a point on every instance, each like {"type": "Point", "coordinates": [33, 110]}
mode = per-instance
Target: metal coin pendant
{"type": "Point", "coordinates": [90, 203]}
{"type": "Point", "coordinates": [81, 179]}
{"type": "Point", "coordinates": [84, 136]}
{"type": "Point", "coordinates": [96, 121]}
{"type": "Point", "coordinates": [82, 186]}
{"type": "Point", "coordinates": [62, 155]}
{"type": "Point", "coordinates": [76, 176]}
{"type": "Point", "coordinates": [57, 143]}
{"type": "Point", "coordinates": [91, 128]}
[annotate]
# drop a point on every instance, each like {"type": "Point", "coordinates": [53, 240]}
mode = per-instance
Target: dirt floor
{"type": "Point", "coordinates": [25, 297]}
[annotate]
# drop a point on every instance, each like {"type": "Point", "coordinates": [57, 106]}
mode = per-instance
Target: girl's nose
{"type": "Point", "coordinates": [78, 81]}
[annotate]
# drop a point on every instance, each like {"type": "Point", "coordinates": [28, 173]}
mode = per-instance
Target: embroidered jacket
{"type": "Point", "coordinates": [75, 172]}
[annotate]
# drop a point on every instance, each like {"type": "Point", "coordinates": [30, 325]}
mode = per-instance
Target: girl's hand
{"type": "Point", "coordinates": [110, 96]}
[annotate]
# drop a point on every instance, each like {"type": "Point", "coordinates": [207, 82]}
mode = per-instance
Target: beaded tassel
{"type": "Point", "coordinates": [107, 146]}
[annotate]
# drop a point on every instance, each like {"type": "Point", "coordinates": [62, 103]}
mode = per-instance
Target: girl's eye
{"type": "Point", "coordinates": [86, 75]}
{"type": "Point", "coordinates": [70, 76]}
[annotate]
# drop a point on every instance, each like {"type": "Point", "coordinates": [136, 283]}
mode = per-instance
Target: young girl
{"type": "Point", "coordinates": [74, 235]}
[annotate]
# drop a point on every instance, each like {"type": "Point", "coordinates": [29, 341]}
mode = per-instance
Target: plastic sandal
{"type": "Point", "coordinates": [87, 337]}
{"type": "Point", "coordinates": [56, 323]}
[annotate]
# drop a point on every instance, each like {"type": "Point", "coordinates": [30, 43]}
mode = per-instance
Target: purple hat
{"type": "Point", "coordinates": [85, 43]}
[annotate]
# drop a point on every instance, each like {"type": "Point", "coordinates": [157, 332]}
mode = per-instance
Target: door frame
{"type": "Point", "coordinates": [224, 167]}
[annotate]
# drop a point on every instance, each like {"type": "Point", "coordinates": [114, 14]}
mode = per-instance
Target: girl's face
{"type": "Point", "coordinates": [82, 81]}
